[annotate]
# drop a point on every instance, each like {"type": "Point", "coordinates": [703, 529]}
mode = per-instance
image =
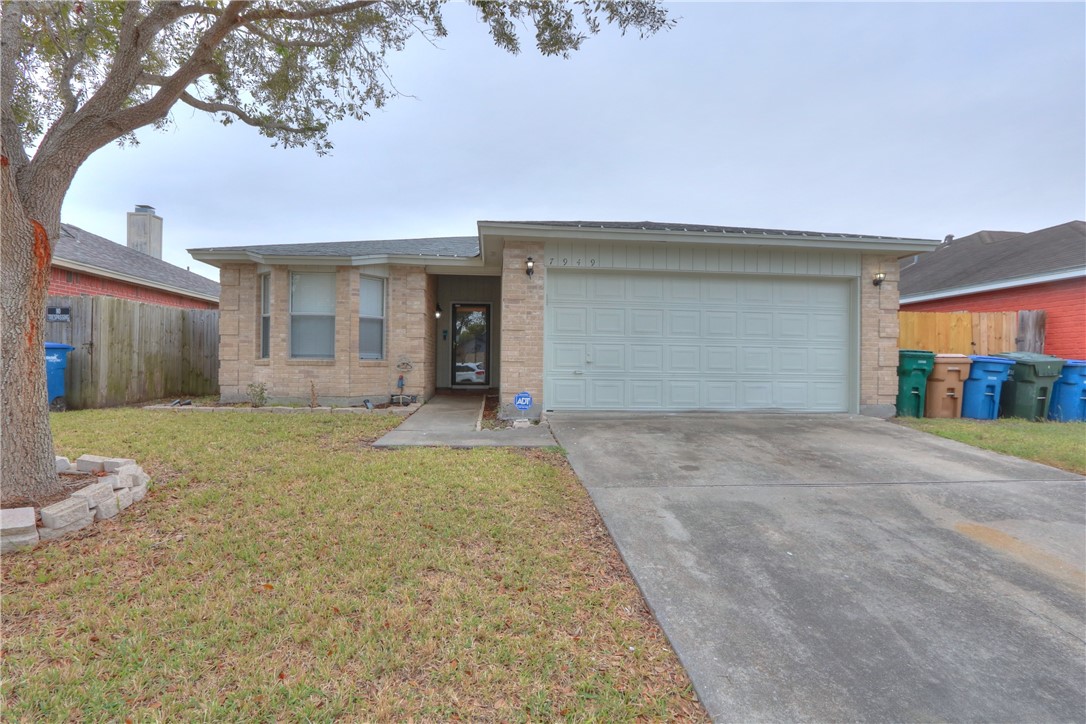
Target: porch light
{"type": "Point", "coordinates": [437, 312]}
{"type": "Point", "coordinates": [878, 278]}
{"type": "Point", "coordinates": [529, 266]}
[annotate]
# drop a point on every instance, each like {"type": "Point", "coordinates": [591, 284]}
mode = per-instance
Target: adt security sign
{"type": "Point", "coordinates": [523, 401]}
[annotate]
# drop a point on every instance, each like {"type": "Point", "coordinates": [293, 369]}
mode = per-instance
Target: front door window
{"type": "Point", "coordinates": [471, 344]}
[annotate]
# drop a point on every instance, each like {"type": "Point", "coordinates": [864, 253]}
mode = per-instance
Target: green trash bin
{"type": "Point", "coordinates": [1028, 390]}
{"type": "Point", "coordinates": [913, 368]}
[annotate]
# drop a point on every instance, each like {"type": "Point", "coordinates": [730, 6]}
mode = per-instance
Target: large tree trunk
{"type": "Point", "coordinates": [27, 468]}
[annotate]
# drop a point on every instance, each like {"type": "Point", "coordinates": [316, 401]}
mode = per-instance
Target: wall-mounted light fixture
{"type": "Point", "coordinates": [437, 312]}
{"type": "Point", "coordinates": [529, 267]}
{"type": "Point", "coordinates": [878, 279]}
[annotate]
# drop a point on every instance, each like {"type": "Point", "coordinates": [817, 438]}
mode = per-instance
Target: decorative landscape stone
{"type": "Point", "coordinates": [66, 512]}
{"type": "Point", "coordinates": [113, 464]}
{"type": "Point", "coordinates": [107, 508]}
{"type": "Point", "coordinates": [16, 521]}
{"type": "Point", "coordinates": [9, 543]}
{"type": "Point", "coordinates": [91, 464]}
{"type": "Point", "coordinates": [104, 499]}
{"type": "Point", "coordinates": [124, 497]}
{"type": "Point", "coordinates": [96, 494]}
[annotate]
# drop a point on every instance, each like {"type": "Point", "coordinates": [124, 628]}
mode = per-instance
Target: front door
{"type": "Point", "coordinates": [471, 345]}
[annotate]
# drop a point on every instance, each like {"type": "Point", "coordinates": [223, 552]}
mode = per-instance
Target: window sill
{"type": "Point", "coordinates": [262, 362]}
{"type": "Point", "coordinates": [311, 362]}
{"type": "Point", "coordinates": [372, 362]}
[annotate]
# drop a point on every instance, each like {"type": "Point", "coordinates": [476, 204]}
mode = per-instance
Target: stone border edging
{"type": "Point", "coordinates": [126, 483]}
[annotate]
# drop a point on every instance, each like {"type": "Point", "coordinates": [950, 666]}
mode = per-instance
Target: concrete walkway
{"type": "Point", "coordinates": [450, 421]}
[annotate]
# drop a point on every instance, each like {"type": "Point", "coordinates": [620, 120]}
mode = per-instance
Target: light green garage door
{"type": "Point", "coordinates": [657, 341]}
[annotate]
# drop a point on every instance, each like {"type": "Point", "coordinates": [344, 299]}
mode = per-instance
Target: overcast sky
{"type": "Point", "coordinates": [915, 120]}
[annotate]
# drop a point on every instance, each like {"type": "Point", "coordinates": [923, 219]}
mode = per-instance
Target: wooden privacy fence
{"type": "Point", "coordinates": [972, 332]}
{"type": "Point", "coordinates": [129, 351]}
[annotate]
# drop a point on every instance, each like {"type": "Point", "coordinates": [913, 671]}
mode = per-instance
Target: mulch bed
{"type": "Point", "coordinates": [69, 484]}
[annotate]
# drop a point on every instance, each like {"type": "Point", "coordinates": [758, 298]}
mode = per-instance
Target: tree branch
{"type": "Point", "coordinates": [218, 107]}
{"type": "Point", "coordinates": [251, 27]}
{"type": "Point", "coordinates": [273, 14]}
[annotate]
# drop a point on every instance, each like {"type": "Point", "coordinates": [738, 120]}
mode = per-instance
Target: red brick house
{"type": "Point", "coordinates": [85, 263]}
{"type": "Point", "coordinates": [1006, 271]}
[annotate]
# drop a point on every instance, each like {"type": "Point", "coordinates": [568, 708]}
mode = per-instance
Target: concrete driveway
{"type": "Point", "coordinates": [846, 568]}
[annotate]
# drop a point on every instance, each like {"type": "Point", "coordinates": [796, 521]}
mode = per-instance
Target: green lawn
{"type": "Point", "coordinates": [281, 569]}
{"type": "Point", "coordinates": [1059, 444]}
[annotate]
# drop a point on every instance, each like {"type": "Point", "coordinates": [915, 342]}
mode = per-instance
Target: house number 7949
{"type": "Point", "coordinates": [564, 261]}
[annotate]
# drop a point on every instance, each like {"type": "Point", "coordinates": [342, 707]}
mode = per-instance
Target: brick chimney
{"type": "Point", "coordinates": [145, 231]}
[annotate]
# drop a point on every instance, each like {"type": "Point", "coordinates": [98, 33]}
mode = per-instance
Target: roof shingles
{"type": "Point", "coordinates": [82, 247]}
{"type": "Point", "coordinates": [994, 256]}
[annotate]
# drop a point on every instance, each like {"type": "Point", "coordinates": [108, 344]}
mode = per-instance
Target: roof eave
{"type": "Point", "coordinates": [138, 281]}
{"type": "Point", "coordinates": [217, 257]}
{"type": "Point", "coordinates": [541, 232]}
{"type": "Point", "coordinates": [994, 286]}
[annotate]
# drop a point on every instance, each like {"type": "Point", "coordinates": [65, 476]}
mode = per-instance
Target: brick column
{"type": "Point", "coordinates": [522, 305]}
{"type": "Point", "coordinates": [411, 301]}
{"type": "Point", "coordinates": [229, 325]}
{"type": "Point", "coordinates": [878, 336]}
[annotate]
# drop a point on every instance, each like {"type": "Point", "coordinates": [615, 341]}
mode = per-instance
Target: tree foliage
{"type": "Point", "coordinates": [288, 68]}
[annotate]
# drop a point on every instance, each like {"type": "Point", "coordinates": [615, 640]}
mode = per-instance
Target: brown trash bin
{"type": "Point", "coordinates": [948, 376]}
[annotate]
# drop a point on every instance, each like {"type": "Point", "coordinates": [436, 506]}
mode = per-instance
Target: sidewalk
{"type": "Point", "coordinates": [449, 421]}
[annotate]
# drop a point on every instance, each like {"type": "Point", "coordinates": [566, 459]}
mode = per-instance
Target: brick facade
{"type": "Point", "coordinates": [1064, 303]}
{"type": "Point", "coordinates": [521, 352]}
{"type": "Point", "coordinates": [411, 335]}
{"type": "Point", "coordinates": [878, 335]}
{"type": "Point", "coordinates": [345, 379]}
{"type": "Point", "coordinates": [67, 283]}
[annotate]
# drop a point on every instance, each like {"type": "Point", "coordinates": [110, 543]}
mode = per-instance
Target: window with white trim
{"type": "Point", "coordinates": [265, 316]}
{"type": "Point", "coordinates": [313, 315]}
{"type": "Point", "coordinates": [371, 318]}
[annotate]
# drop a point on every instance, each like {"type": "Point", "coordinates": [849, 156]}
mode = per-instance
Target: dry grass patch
{"type": "Point", "coordinates": [282, 569]}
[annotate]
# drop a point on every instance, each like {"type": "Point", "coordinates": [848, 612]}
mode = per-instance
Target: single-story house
{"type": "Point", "coordinates": [1007, 271]}
{"type": "Point", "coordinates": [87, 264]}
{"type": "Point", "coordinates": [580, 315]}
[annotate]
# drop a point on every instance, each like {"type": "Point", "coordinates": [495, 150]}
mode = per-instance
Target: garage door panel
{"type": "Point", "coordinates": [755, 360]}
{"type": "Point", "coordinates": [666, 341]}
{"type": "Point", "coordinates": [608, 357]}
{"type": "Point", "coordinates": [569, 320]}
{"type": "Point", "coordinates": [790, 395]}
{"type": "Point", "coordinates": [683, 358]}
{"type": "Point", "coordinates": [610, 322]}
{"type": "Point", "coordinates": [569, 394]}
{"type": "Point", "coordinates": [720, 360]}
{"type": "Point", "coordinates": [568, 355]}
{"type": "Point", "coordinates": [791, 361]}
{"type": "Point", "coordinates": [683, 394]}
{"type": "Point", "coordinates": [756, 394]}
{"type": "Point", "coordinates": [790, 325]}
{"type": "Point", "coordinates": [607, 394]}
{"type": "Point", "coordinates": [684, 323]}
{"type": "Point", "coordinates": [722, 325]}
{"type": "Point", "coordinates": [647, 323]}
{"type": "Point", "coordinates": [647, 394]}
{"type": "Point", "coordinates": [568, 286]}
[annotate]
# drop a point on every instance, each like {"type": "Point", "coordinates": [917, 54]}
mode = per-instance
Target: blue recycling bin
{"type": "Point", "coordinates": [981, 392]}
{"type": "Point", "coordinates": [1069, 393]}
{"type": "Point", "coordinates": [56, 362]}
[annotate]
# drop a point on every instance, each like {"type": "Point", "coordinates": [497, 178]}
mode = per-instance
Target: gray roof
{"type": "Point", "coordinates": [993, 256]}
{"type": "Point", "coordinates": [660, 226]}
{"type": "Point", "coordinates": [451, 246]}
{"type": "Point", "coordinates": [82, 247]}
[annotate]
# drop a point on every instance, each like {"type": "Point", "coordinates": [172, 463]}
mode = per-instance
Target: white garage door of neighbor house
{"type": "Point", "coordinates": [652, 341]}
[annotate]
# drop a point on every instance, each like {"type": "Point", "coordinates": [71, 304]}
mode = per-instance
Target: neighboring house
{"type": "Point", "coordinates": [1006, 271]}
{"type": "Point", "coordinates": [581, 315]}
{"type": "Point", "coordinates": [85, 263]}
